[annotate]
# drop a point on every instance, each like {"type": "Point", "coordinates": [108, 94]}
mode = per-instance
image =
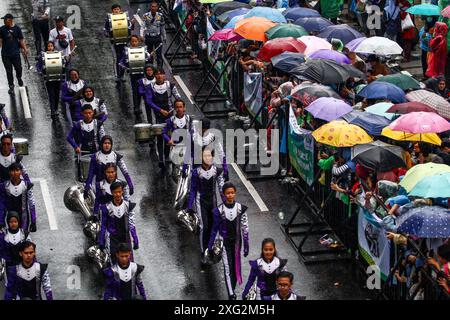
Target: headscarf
{"type": "Point", "coordinates": [104, 138]}
{"type": "Point", "coordinates": [145, 73]}
{"type": "Point", "coordinates": [337, 43]}
{"type": "Point", "coordinates": [93, 94]}
{"type": "Point", "coordinates": [440, 29]}
{"type": "Point", "coordinates": [9, 216]}
{"type": "Point", "coordinates": [78, 72]}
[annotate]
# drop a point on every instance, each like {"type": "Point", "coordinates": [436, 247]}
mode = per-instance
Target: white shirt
{"type": "Point", "coordinates": [66, 34]}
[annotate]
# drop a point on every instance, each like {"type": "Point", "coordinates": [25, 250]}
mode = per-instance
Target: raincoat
{"type": "Point", "coordinates": [438, 54]}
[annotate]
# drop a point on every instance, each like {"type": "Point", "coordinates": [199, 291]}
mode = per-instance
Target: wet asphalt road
{"type": "Point", "coordinates": [169, 253]}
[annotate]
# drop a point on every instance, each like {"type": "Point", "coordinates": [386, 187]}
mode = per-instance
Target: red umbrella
{"type": "Point", "coordinates": [277, 46]}
{"type": "Point", "coordinates": [412, 106]}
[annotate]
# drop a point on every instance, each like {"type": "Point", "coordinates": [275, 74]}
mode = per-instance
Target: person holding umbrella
{"type": "Point", "coordinates": [11, 41]}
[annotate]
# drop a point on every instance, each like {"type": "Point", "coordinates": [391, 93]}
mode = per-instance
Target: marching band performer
{"type": "Point", "coordinates": [85, 134]}
{"type": "Point", "coordinates": [285, 281]}
{"type": "Point", "coordinates": [11, 239]}
{"type": "Point", "coordinates": [27, 279]}
{"type": "Point", "coordinates": [145, 89]}
{"type": "Point", "coordinates": [17, 195]}
{"type": "Point", "coordinates": [202, 139]}
{"type": "Point", "coordinates": [98, 105]}
{"type": "Point", "coordinates": [117, 223]}
{"type": "Point", "coordinates": [5, 124]}
{"type": "Point", "coordinates": [123, 279]}
{"type": "Point", "coordinates": [155, 32]}
{"type": "Point", "coordinates": [265, 270]}
{"type": "Point", "coordinates": [206, 180]}
{"type": "Point", "coordinates": [100, 159]}
{"type": "Point", "coordinates": [134, 78]}
{"type": "Point", "coordinates": [103, 188]}
{"type": "Point", "coordinates": [117, 48]}
{"type": "Point", "coordinates": [178, 121]}
{"type": "Point", "coordinates": [71, 91]}
{"type": "Point", "coordinates": [231, 222]}
{"type": "Point", "coordinates": [53, 86]}
{"type": "Point", "coordinates": [163, 91]}
{"type": "Point", "coordinates": [8, 157]}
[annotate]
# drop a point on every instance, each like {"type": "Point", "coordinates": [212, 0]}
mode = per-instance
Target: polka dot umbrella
{"type": "Point", "coordinates": [425, 222]}
{"type": "Point", "coordinates": [339, 133]}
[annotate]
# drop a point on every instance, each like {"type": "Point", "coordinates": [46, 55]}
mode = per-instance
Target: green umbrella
{"type": "Point", "coordinates": [284, 30]}
{"type": "Point", "coordinates": [425, 9]}
{"type": "Point", "coordinates": [401, 80]}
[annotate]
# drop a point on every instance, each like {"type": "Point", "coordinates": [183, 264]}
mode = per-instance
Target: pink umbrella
{"type": "Point", "coordinates": [431, 99]}
{"type": "Point", "coordinates": [313, 44]}
{"type": "Point", "coordinates": [446, 12]}
{"type": "Point", "coordinates": [225, 35]}
{"type": "Point", "coordinates": [420, 122]}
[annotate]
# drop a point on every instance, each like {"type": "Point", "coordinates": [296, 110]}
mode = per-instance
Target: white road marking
{"type": "Point", "coordinates": [25, 103]}
{"type": "Point", "coordinates": [184, 88]}
{"type": "Point", "coordinates": [48, 204]}
{"type": "Point", "coordinates": [251, 189]}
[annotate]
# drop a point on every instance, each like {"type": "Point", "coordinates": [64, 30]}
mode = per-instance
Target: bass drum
{"type": "Point", "coordinates": [53, 66]}
{"type": "Point", "coordinates": [118, 26]}
{"type": "Point", "coordinates": [136, 59]}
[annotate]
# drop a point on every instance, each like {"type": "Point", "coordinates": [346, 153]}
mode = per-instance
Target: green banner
{"type": "Point", "coordinates": [301, 149]}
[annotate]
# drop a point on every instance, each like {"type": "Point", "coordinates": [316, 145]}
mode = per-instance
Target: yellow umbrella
{"type": "Point", "coordinates": [420, 171]}
{"type": "Point", "coordinates": [339, 133]}
{"type": "Point", "coordinates": [432, 138]}
{"type": "Point", "coordinates": [254, 28]}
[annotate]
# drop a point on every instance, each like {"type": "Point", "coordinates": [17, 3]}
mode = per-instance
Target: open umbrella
{"type": "Point", "coordinates": [435, 186]}
{"type": "Point", "coordinates": [253, 28]}
{"type": "Point", "coordinates": [325, 71]}
{"type": "Point", "coordinates": [328, 109]}
{"type": "Point", "coordinates": [333, 55]}
{"type": "Point", "coordinates": [379, 46]}
{"type": "Point", "coordinates": [425, 222]}
{"type": "Point", "coordinates": [372, 123]}
{"type": "Point", "coordinates": [446, 12]}
{"type": "Point", "coordinates": [420, 122]}
{"type": "Point", "coordinates": [401, 80]}
{"type": "Point", "coordinates": [420, 171]}
{"type": "Point", "coordinates": [381, 109]}
{"type": "Point", "coordinates": [277, 46]}
{"type": "Point", "coordinates": [431, 99]}
{"type": "Point", "coordinates": [299, 12]}
{"type": "Point", "coordinates": [213, 1]}
{"type": "Point", "coordinates": [227, 16]}
{"type": "Point", "coordinates": [413, 106]}
{"type": "Point", "coordinates": [378, 156]}
{"type": "Point", "coordinates": [223, 7]}
{"type": "Point", "coordinates": [339, 133]}
{"type": "Point", "coordinates": [425, 9]}
{"type": "Point", "coordinates": [284, 30]}
{"type": "Point", "coordinates": [309, 92]}
{"type": "Point", "coordinates": [342, 32]}
{"type": "Point", "coordinates": [352, 45]}
{"type": "Point", "coordinates": [287, 60]}
{"type": "Point", "coordinates": [232, 23]}
{"type": "Point", "coordinates": [268, 13]}
{"type": "Point", "coordinates": [432, 138]}
{"type": "Point", "coordinates": [313, 24]}
{"type": "Point", "coordinates": [383, 90]}
{"type": "Point", "coordinates": [225, 35]}
{"type": "Point", "coordinates": [313, 44]}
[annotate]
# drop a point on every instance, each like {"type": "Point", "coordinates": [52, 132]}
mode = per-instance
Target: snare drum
{"type": "Point", "coordinates": [53, 66]}
{"type": "Point", "coordinates": [142, 132]}
{"type": "Point", "coordinates": [157, 129]}
{"type": "Point", "coordinates": [21, 146]}
{"type": "Point", "coordinates": [118, 26]}
{"type": "Point", "coordinates": [85, 161]}
{"type": "Point", "coordinates": [136, 59]}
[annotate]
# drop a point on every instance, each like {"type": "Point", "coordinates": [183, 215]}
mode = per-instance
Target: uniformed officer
{"type": "Point", "coordinates": [155, 32]}
{"type": "Point", "coordinates": [41, 29]}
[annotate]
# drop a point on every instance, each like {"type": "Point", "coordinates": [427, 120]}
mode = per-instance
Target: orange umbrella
{"type": "Point", "coordinates": [254, 28]}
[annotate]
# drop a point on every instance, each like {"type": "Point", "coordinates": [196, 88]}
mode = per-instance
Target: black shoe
{"type": "Point", "coordinates": [138, 118]}
{"type": "Point", "coordinates": [232, 297]}
{"type": "Point", "coordinates": [20, 81]}
{"type": "Point", "coordinates": [161, 165]}
{"type": "Point", "coordinates": [11, 90]}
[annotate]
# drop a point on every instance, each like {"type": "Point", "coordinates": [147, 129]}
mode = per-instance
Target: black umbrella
{"type": "Point", "coordinates": [378, 156]}
{"type": "Point", "coordinates": [325, 71]}
{"type": "Point", "coordinates": [223, 7]}
{"type": "Point", "coordinates": [308, 92]}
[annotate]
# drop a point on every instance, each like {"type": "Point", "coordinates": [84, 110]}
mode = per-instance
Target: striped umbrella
{"type": "Point", "coordinates": [431, 99]}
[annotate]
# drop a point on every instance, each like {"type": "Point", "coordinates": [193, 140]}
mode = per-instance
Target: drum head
{"type": "Point", "coordinates": [20, 141]}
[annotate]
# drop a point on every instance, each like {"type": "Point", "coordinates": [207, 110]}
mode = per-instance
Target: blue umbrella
{"type": "Point", "coordinates": [435, 186]}
{"type": "Point", "coordinates": [425, 222]}
{"type": "Point", "coordinates": [313, 24]}
{"type": "Point", "coordinates": [287, 60]}
{"type": "Point", "coordinates": [383, 90]}
{"type": "Point", "coordinates": [233, 21]}
{"type": "Point", "coordinates": [381, 109]}
{"type": "Point", "coordinates": [370, 122]}
{"type": "Point", "coordinates": [227, 16]}
{"type": "Point", "coordinates": [268, 13]}
{"type": "Point", "coordinates": [342, 32]}
{"type": "Point", "coordinates": [352, 45]}
{"type": "Point", "coordinates": [295, 13]}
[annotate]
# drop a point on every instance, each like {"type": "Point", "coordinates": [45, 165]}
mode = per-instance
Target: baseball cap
{"type": "Point", "coordinates": [59, 18]}
{"type": "Point", "coordinates": [8, 16]}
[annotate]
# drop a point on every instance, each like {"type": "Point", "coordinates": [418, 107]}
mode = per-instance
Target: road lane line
{"type": "Point", "coordinates": [184, 88]}
{"type": "Point", "coordinates": [25, 102]}
{"type": "Point", "coordinates": [48, 204]}
{"type": "Point", "coordinates": [250, 188]}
